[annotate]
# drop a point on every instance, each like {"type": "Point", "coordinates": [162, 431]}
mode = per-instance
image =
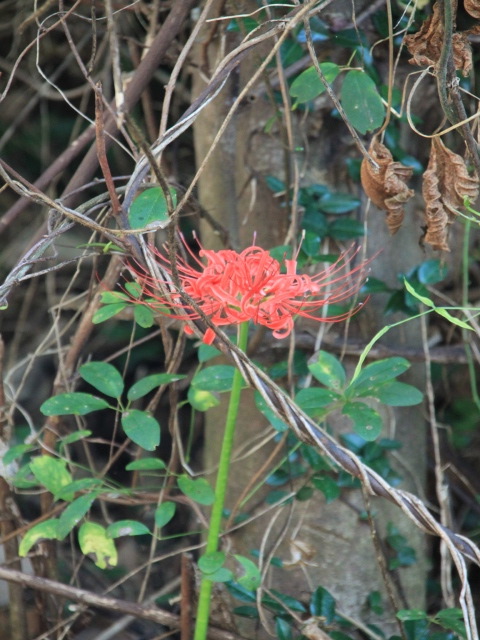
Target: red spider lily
{"type": "Point", "coordinates": [237, 287]}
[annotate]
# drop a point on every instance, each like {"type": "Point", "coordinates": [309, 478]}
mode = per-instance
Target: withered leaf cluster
{"type": "Point", "coordinates": [473, 8]}
{"type": "Point", "coordinates": [446, 182]}
{"type": "Point", "coordinates": [386, 186]}
{"type": "Point", "coordinates": [426, 44]}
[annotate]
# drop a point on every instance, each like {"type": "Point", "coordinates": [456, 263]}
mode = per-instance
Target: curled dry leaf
{"type": "Point", "coordinates": [426, 45]}
{"type": "Point", "coordinates": [446, 183]}
{"type": "Point", "coordinates": [386, 186]}
{"type": "Point", "coordinates": [473, 8]}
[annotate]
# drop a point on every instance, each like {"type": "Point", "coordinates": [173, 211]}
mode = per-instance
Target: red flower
{"type": "Point", "coordinates": [236, 287]}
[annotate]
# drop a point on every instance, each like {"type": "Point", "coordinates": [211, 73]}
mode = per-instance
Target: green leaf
{"type": "Point", "coordinates": [376, 373]}
{"type": "Point", "coordinates": [202, 400]}
{"type": "Point", "coordinates": [210, 562]}
{"type": "Point", "coordinates": [398, 394]}
{"type": "Point", "coordinates": [147, 384]}
{"type": "Point", "coordinates": [75, 437]}
{"type": "Point", "coordinates": [107, 312]}
{"type": "Point", "coordinates": [411, 614]}
{"type": "Point", "coordinates": [327, 486]}
{"type": "Point", "coordinates": [322, 605]}
{"type": "Point", "coordinates": [315, 401]}
{"type": "Point", "coordinates": [432, 271]}
{"type": "Point", "coordinates": [218, 377]}
{"type": "Point", "coordinates": [113, 297]}
{"type": "Point", "coordinates": [362, 102]}
{"type": "Point", "coordinates": [367, 423]}
{"type": "Point", "coordinates": [207, 352]}
{"type": "Point", "coordinates": [307, 86]}
{"type": "Point", "coordinates": [135, 289]}
{"type": "Point", "coordinates": [452, 618]}
{"type": "Point", "coordinates": [164, 513]}
{"type": "Point", "coordinates": [145, 464]}
{"type": "Point", "coordinates": [46, 530]}
{"type": "Point", "coordinates": [265, 410]}
{"type": "Point", "coordinates": [440, 310]}
{"type": "Point", "coordinates": [52, 473]}
{"type": "Point", "coordinates": [143, 316]}
{"type": "Point", "coordinates": [72, 515]}
{"type": "Point", "coordinates": [141, 428]}
{"type": "Point", "coordinates": [16, 452]}
{"type": "Point", "coordinates": [221, 575]}
{"type": "Point", "coordinates": [150, 209]}
{"type": "Point", "coordinates": [104, 377]}
{"type": "Point", "coordinates": [283, 629]}
{"type": "Point", "coordinates": [126, 528]}
{"type": "Point", "coordinates": [93, 540]}
{"type": "Point", "coordinates": [83, 484]}
{"type": "Point", "coordinates": [252, 578]}
{"type": "Point", "coordinates": [338, 203]}
{"type": "Point", "coordinates": [197, 489]}
{"type": "Point", "coordinates": [345, 229]}
{"type": "Point", "coordinates": [75, 403]}
{"type": "Point", "coordinates": [328, 370]}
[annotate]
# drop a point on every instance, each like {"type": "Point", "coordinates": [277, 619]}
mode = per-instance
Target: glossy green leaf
{"type": "Point", "coordinates": [376, 373]}
{"type": "Point", "coordinates": [135, 289]}
{"type": "Point", "coordinates": [93, 540]}
{"type": "Point", "coordinates": [150, 209]}
{"type": "Point", "coordinates": [411, 614]}
{"type": "Point", "coordinates": [207, 352]}
{"type": "Point", "coordinates": [75, 437]}
{"type": "Point", "coordinates": [398, 394]}
{"type": "Point", "coordinates": [307, 86]}
{"type": "Point", "coordinates": [198, 489]}
{"type": "Point", "coordinates": [82, 484]}
{"type": "Point", "coordinates": [210, 562]}
{"type": "Point", "coordinates": [361, 101]}
{"type": "Point", "coordinates": [127, 528]}
{"type": "Point", "coordinates": [338, 203]}
{"type": "Point", "coordinates": [147, 384]}
{"type": "Point", "coordinates": [452, 619]}
{"type": "Point", "coordinates": [202, 400]}
{"type": "Point", "coordinates": [322, 605]}
{"type": "Point", "coordinates": [108, 311]}
{"type": "Point", "coordinates": [221, 575]}
{"type": "Point", "coordinates": [346, 229]}
{"type": "Point", "coordinates": [113, 297]}
{"type": "Point", "coordinates": [72, 515]}
{"type": "Point", "coordinates": [143, 316]}
{"type": "Point", "coordinates": [283, 629]}
{"type": "Point", "coordinates": [16, 452]}
{"type": "Point", "coordinates": [218, 377]}
{"type": "Point", "coordinates": [315, 401]}
{"type": "Point", "coordinates": [104, 377]}
{"type": "Point", "coordinates": [141, 428]}
{"type": "Point", "coordinates": [251, 579]}
{"type": "Point", "coordinates": [328, 370]}
{"type": "Point", "coordinates": [46, 530]}
{"type": "Point", "coordinates": [367, 423]}
{"type": "Point", "coordinates": [432, 271]}
{"type": "Point", "coordinates": [328, 486]}
{"type": "Point", "coordinates": [75, 403]}
{"type": "Point", "coordinates": [164, 513]}
{"type": "Point", "coordinates": [146, 464]}
{"type": "Point", "coordinates": [52, 473]}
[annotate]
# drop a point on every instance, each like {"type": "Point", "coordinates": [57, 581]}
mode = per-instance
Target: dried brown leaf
{"type": "Point", "coordinates": [446, 183]}
{"type": "Point", "coordinates": [426, 45]}
{"type": "Point", "coordinates": [386, 186]}
{"type": "Point", "coordinates": [473, 8]}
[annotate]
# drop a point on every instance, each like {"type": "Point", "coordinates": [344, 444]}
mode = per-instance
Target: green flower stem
{"type": "Point", "coordinates": [214, 530]}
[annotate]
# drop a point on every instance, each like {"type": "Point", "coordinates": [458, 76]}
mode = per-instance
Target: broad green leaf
{"type": "Point", "coordinates": [72, 515]}
{"type": "Point", "coordinates": [141, 428]}
{"type": "Point", "coordinates": [75, 403]}
{"type": "Point", "coordinates": [345, 229]}
{"type": "Point", "coordinates": [376, 373]}
{"type": "Point", "coordinates": [398, 394]}
{"type": "Point", "coordinates": [218, 377]}
{"type": "Point", "coordinates": [143, 316]}
{"type": "Point", "coordinates": [197, 489]}
{"type": "Point", "coordinates": [221, 575]}
{"type": "Point", "coordinates": [283, 629]}
{"type": "Point", "coordinates": [104, 377]}
{"type": "Point", "coordinates": [113, 297]}
{"type": "Point", "coordinates": [322, 605]}
{"type": "Point", "coordinates": [338, 203]}
{"type": "Point", "coordinates": [432, 271]}
{"type": "Point", "coordinates": [150, 209]}
{"type": "Point", "coordinates": [126, 528]}
{"type": "Point", "coordinates": [440, 310]}
{"type": "Point", "coordinates": [328, 370]}
{"type": "Point", "coordinates": [93, 540]}
{"type": "Point", "coordinates": [307, 86]}
{"type": "Point", "coordinates": [16, 452]}
{"type": "Point", "coordinates": [327, 486]}
{"type": "Point", "coordinates": [207, 352]}
{"type": "Point", "coordinates": [252, 578]}
{"type": "Point", "coordinates": [411, 614]}
{"type": "Point", "coordinates": [315, 401]}
{"type": "Point", "coordinates": [366, 421]}
{"type": "Point", "coordinates": [202, 400]}
{"type": "Point", "coordinates": [107, 312]}
{"type": "Point", "coordinates": [164, 513]}
{"type": "Point", "coordinates": [75, 437]}
{"type": "Point", "coordinates": [46, 530]}
{"type": "Point", "coordinates": [147, 384]}
{"type": "Point", "coordinates": [211, 562]}
{"type": "Point", "coordinates": [452, 618]}
{"type": "Point", "coordinates": [362, 102]}
{"type": "Point", "coordinates": [145, 464]}
{"type": "Point", "coordinates": [83, 484]}
{"type": "Point", "coordinates": [135, 289]}
{"type": "Point", "coordinates": [52, 473]}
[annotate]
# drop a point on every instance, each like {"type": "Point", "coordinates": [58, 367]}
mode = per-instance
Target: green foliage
{"type": "Point", "coordinates": [198, 489]}
{"type": "Point", "coordinates": [362, 102]}
{"type": "Point", "coordinates": [150, 209]}
{"type": "Point", "coordinates": [94, 540]}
